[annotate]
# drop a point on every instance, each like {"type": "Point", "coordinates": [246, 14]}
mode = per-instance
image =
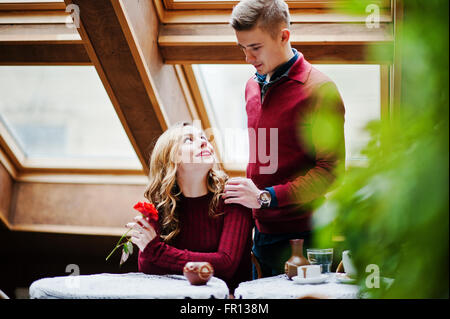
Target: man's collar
{"type": "Point", "coordinates": [297, 68]}
{"type": "Point", "coordinates": [281, 70]}
{"type": "Point", "coordinates": [300, 70]}
{"type": "Point", "coordinates": [284, 68]}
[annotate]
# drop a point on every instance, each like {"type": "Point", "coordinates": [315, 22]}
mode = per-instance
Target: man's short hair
{"type": "Point", "coordinates": [269, 15]}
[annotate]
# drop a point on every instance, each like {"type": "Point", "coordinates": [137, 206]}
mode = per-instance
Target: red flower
{"type": "Point", "coordinates": [151, 214]}
{"type": "Point", "coordinates": [148, 210]}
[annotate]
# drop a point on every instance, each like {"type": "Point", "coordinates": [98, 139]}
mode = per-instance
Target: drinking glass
{"type": "Point", "coordinates": [322, 257]}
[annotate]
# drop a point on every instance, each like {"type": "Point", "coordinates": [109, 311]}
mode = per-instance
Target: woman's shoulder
{"type": "Point", "coordinates": [230, 208]}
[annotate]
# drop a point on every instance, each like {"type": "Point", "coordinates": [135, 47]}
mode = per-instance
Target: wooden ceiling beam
{"type": "Point", "coordinates": [42, 33]}
{"type": "Point", "coordinates": [324, 33]}
{"type": "Point", "coordinates": [40, 37]}
{"type": "Point", "coordinates": [43, 54]}
{"type": "Point", "coordinates": [108, 50]}
{"type": "Point", "coordinates": [35, 6]}
{"type": "Point", "coordinates": [40, 44]}
{"type": "Point", "coordinates": [35, 17]}
{"type": "Point", "coordinates": [140, 24]}
{"type": "Point", "coordinates": [170, 12]}
{"type": "Point", "coordinates": [297, 16]}
{"type": "Point", "coordinates": [293, 4]}
{"type": "Point", "coordinates": [126, 58]}
{"type": "Point", "coordinates": [325, 54]}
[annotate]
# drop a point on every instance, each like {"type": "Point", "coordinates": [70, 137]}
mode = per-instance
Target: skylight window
{"type": "Point", "coordinates": [63, 113]}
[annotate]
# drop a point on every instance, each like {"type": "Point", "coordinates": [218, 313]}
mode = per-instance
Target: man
{"type": "Point", "coordinates": [301, 108]}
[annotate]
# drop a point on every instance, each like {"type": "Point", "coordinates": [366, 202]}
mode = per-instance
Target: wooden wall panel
{"type": "Point", "coordinates": [30, 256]}
{"type": "Point", "coordinates": [6, 187]}
{"type": "Point", "coordinates": [75, 204]}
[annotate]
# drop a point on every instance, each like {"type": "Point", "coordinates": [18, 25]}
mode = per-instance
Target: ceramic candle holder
{"type": "Point", "coordinates": [198, 273]}
{"type": "Point", "coordinates": [297, 259]}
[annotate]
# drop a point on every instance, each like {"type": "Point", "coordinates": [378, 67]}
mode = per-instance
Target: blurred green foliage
{"type": "Point", "coordinates": [394, 212]}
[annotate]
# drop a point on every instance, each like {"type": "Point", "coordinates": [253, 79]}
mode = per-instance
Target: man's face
{"type": "Point", "coordinates": [261, 50]}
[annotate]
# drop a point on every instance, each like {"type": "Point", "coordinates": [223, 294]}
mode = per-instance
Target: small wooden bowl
{"type": "Point", "coordinates": [198, 273]}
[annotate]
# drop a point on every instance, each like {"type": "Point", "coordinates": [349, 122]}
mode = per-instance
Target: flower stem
{"type": "Point", "coordinates": [118, 244]}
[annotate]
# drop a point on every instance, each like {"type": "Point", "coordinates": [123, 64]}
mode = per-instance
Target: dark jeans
{"type": "Point", "coordinates": [272, 251]}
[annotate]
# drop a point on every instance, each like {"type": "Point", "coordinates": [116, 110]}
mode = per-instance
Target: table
{"type": "Point", "coordinates": [280, 287]}
{"type": "Point", "coordinates": [126, 286]}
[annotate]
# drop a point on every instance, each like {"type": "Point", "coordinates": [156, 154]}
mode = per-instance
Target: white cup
{"type": "Point", "coordinates": [309, 271]}
{"type": "Point", "coordinates": [349, 267]}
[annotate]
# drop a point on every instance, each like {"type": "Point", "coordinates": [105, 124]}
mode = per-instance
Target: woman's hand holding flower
{"type": "Point", "coordinates": [141, 232]}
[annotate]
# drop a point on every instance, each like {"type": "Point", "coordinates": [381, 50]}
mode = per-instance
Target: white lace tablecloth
{"type": "Point", "coordinates": [280, 287]}
{"type": "Point", "coordinates": [126, 286]}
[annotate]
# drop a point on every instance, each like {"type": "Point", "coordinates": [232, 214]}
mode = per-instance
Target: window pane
{"type": "Point", "coordinates": [359, 86]}
{"type": "Point", "coordinates": [222, 88]}
{"type": "Point", "coordinates": [62, 112]}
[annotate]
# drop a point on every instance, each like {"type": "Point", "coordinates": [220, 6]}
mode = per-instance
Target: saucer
{"type": "Point", "coordinates": [313, 280]}
{"type": "Point", "coordinates": [344, 279]}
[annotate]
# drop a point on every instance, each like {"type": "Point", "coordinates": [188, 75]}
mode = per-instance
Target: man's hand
{"type": "Point", "coordinates": [242, 191]}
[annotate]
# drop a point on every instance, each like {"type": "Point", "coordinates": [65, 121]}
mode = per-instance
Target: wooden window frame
{"type": "Point", "coordinates": [170, 12]}
{"type": "Point", "coordinates": [32, 6]}
{"type": "Point", "coordinates": [62, 170]}
{"type": "Point", "coordinates": [224, 4]}
{"type": "Point", "coordinates": [22, 168]}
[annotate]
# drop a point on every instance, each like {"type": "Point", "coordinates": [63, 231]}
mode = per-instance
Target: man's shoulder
{"type": "Point", "coordinates": [318, 78]}
{"type": "Point", "coordinates": [251, 81]}
{"type": "Point", "coordinates": [252, 85]}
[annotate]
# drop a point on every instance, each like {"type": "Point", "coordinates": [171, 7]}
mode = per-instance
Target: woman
{"type": "Point", "coordinates": [194, 224]}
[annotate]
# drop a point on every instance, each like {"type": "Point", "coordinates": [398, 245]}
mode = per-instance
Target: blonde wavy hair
{"type": "Point", "coordinates": [163, 190]}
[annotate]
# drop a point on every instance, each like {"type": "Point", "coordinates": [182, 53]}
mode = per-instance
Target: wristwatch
{"type": "Point", "coordinates": [264, 198]}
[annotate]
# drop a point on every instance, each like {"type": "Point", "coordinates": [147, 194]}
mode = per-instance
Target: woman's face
{"type": "Point", "coordinates": [195, 152]}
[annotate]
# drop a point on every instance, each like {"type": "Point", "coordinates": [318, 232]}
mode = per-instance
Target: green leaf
{"type": "Point", "coordinates": [129, 245]}
{"type": "Point", "coordinates": [118, 244]}
{"type": "Point", "coordinates": [124, 257]}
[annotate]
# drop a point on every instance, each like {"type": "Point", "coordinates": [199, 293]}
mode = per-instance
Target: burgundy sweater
{"type": "Point", "coordinates": [223, 241]}
{"type": "Point", "coordinates": [306, 165]}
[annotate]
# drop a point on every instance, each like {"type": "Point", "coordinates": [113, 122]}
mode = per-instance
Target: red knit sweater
{"type": "Point", "coordinates": [306, 166]}
{"type": "Point", "coordinates": [223, 241]}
